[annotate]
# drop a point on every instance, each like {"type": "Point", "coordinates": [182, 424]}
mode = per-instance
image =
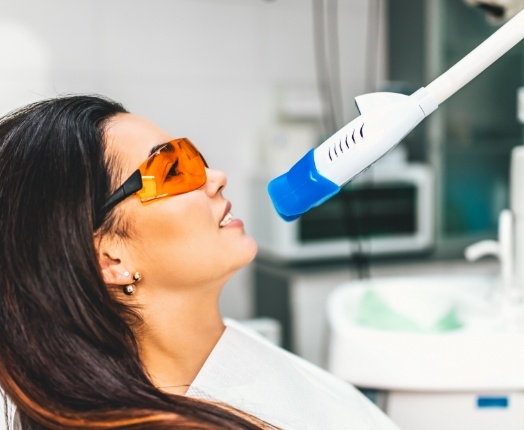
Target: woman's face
{"type": "Point", "coordinates": [176, 242]}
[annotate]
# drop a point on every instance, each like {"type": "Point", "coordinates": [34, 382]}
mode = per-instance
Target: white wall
{"type": "Point", "coordinates": [206, 69]}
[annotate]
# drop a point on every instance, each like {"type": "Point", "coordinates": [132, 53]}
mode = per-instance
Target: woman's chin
{"type": "Point", "coordinates": [254, 249]}
{"type": "Point", "coordinates": [249, 252]}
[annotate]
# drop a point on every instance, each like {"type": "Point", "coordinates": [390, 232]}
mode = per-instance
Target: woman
{"type": "Point", "coordinates": [115, 242]}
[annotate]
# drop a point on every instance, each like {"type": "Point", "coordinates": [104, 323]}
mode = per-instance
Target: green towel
{"type": "Point", "coordinates": [375, 313]}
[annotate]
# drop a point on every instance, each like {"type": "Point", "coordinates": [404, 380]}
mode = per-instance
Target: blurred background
{"type": "Point", "coordinates": [255, 84]}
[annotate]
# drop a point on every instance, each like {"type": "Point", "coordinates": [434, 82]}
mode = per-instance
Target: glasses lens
{"type": "Point", "coordinates": [176, 168]}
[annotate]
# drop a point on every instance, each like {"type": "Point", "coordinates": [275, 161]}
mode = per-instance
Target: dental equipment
{"type": "Point", "coordinates": [385, 119]}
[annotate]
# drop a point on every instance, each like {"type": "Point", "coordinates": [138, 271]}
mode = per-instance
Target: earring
{"type": "Point", "coordinates": [130, 289]}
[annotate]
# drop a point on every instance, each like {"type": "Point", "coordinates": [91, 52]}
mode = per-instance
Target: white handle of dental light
{"type": "Point", "coordinates": [385, 119]}
{"type": "Point", "coordinates": [478, 60]}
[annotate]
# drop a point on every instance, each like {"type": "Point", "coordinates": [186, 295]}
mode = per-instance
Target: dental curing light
{"type": "Point", "coordinates": [385, 118]}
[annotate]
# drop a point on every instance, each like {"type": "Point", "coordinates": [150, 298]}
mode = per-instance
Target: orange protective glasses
{"type": "Point", "coordinates": [176, 167]}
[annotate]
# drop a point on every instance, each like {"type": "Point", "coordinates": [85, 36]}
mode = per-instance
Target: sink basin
{"type": "Point", "coordinates": [481, 350]}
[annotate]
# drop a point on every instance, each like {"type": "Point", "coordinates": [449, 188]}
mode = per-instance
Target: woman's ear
{"type": "Point", "coordinates": [113, 270]}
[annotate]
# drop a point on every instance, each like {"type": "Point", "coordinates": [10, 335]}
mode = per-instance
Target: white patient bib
{"type": "Point", "coordinates": [246, 371]}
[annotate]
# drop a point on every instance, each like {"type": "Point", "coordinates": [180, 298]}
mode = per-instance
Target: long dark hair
{"type": "Point", "coordinates": [68, 357]}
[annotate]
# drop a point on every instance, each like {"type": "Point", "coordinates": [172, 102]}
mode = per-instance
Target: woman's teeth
{"type": "Point", "coordinates": [227, 219]}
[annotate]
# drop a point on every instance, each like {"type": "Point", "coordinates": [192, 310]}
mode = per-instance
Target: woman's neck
{"type": "Point", "coordinates": [178, 335]}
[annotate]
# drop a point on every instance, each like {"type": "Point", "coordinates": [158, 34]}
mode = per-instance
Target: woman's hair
{"type": "Point", "coordinates": [68, 357]}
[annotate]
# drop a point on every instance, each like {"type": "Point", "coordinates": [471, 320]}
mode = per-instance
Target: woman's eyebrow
{"type": "Point", "coordinates": [167, 145]}
{"type": "Point", "coordinates": [156, 148]}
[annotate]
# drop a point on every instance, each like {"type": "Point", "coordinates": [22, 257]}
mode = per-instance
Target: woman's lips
{"type": "Point", "coordinates": [228, 220]}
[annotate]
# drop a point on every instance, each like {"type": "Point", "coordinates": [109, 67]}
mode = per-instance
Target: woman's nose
{"type": "Point", "coordinates": [216, 181]}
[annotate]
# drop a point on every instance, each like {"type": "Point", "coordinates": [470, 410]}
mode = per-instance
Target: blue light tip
{"type": "Point", "coordinates": [300, 189]}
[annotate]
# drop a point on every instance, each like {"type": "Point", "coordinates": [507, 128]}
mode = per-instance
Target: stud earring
{"type": "Point", "coordinates": [130, 289]}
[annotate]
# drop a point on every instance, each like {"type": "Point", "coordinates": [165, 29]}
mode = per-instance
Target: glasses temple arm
{"type": "Point", "coordinates": [128, 188]}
